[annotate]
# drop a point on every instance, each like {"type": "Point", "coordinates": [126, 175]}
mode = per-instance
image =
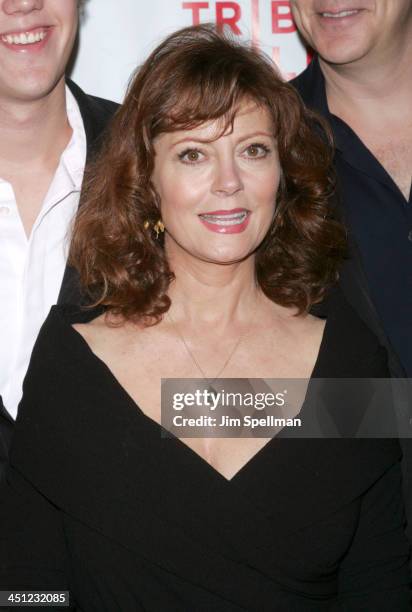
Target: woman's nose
{"type": "Point", "coordinates": [227, 179]}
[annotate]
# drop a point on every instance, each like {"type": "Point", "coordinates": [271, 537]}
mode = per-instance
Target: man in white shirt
{"type": "Point", "coordinates": [48, 127]}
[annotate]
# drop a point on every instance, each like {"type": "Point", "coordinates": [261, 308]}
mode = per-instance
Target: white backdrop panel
{"type": "Point", "coordinates": [117, 35]}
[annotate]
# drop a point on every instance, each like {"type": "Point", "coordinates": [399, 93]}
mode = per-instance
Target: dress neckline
{"type": "Point", "coordinates": [82, 348]}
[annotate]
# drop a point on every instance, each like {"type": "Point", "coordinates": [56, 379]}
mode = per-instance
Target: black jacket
{"type": "Point", "coordinates": [96, 114]}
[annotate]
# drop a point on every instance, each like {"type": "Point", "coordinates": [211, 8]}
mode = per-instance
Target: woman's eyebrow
{"type": "Point", "coordinates": [208, 140]}
{"type": "Point", "coordinates": [254, 134]}
{"type": "Point", "coordinates": [191, 139]}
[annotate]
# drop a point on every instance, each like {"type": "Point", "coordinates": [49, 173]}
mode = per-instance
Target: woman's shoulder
{"type": "Point", "coordinates": [350, 349]}
{"type": "Point", "coordinates": [60, 357]}
{"type": "Point", "coordinates": [72, 314]}
{"type": "Point", "coordinates": [57, 338]}
{"type": "Point", "coordinates": [62, 396]}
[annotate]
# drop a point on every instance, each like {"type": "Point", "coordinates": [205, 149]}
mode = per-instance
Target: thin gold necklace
{"type": "Point", "coordinates": [195, 361]}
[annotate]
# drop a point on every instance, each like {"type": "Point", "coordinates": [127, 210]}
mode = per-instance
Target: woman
{"type": "Point", "coordinates": [204, 239]}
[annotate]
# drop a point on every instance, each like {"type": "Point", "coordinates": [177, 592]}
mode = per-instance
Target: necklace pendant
{"type": "Point", "coordinates": [212, 391]}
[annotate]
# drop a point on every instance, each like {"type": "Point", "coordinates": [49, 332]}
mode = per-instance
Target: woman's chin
{"type": "Point", "coordinates": [226, 258]}
{"type": "Point", "coordinates": [211, 252]}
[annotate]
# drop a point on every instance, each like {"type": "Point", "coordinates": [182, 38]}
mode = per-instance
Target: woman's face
{"type": "Point", "coordinates": [218, 196]}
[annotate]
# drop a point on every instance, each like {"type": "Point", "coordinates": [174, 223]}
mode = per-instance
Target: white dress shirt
{"type": "Point", "coordinates": [31, 269]}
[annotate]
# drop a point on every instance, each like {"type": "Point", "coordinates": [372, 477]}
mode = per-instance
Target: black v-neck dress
{"type": "Point", "coordinates": [97, 502]}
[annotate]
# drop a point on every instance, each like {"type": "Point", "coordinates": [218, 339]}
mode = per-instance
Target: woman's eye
{"type": "Point", "coordinates": [257, 151]}
{"type": "Point", "coordinates": [190, 156]}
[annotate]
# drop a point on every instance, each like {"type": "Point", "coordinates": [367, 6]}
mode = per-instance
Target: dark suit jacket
{"type": "Point", "coordinates": [96, 114]}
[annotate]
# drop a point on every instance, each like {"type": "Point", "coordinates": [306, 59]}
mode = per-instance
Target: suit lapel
{"type": "Point", "coordinates": [6, 432]}
{"type": "Point", "coordinates": [96, 115]}
{"type": "Point", "coordinates": [70, 288]}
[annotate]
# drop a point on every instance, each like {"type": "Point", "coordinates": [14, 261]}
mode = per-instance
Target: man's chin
{"type": "Point", "coordinates": [30, 90]}
{"type": "Point", "coordinates": [341, 54]}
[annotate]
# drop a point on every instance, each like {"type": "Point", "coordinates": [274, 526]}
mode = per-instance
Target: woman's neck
{"type": "Point", "coordinates": [219, 295]}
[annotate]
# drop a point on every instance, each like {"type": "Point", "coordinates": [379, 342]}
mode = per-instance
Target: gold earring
{"type": "Point", "coordinates": [158, 227]}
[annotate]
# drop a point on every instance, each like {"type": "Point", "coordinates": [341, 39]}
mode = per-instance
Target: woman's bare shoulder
{"type": "Point", "coordinates": [102, 332]}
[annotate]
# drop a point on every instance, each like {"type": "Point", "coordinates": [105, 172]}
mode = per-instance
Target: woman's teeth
{"type": "Point", "coordinates": [24, 38]}
{"type": "Point", "coordinates": [232, 219]}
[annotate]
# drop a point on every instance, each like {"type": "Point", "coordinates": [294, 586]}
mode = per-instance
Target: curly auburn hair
{"type": "Point", "coordinates": [197, 75]}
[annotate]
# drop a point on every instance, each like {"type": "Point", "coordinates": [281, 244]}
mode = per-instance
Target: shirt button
{"type": "Point", "coordinates": [410, 236]}
{"type": "Point", "coordinates": [5, 211]}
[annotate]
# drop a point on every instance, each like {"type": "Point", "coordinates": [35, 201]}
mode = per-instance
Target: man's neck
{"type": "Point", "coordinates": [33, 134]}
{"type": "Point", "coordinates": [374, 99]}
{"type": "Point", "coordinates": [372, 88]}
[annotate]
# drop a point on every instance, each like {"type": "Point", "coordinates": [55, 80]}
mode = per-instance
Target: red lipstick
{"type": "Point", "coordinates": [232, 221]}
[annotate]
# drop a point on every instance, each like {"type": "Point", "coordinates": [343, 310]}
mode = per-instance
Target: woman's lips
{"type": "Point", "coordinates": [226, 221]}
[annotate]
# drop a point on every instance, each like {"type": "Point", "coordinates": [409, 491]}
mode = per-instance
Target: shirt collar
{"type": "Point", "coordinates": [314, 88]}
{"type": "Point", "coordinates": [74, 156]}
{"type": "Point", "coordinates": [314, 92]}
{"type": "Point", "coordinates": [348, 144]}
